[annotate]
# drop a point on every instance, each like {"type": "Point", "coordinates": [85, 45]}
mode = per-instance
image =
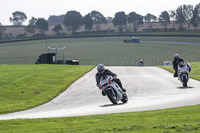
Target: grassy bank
{"type": "Point", "coordinates": [185, 120]}
{"type": "Point", "coordinates": [27, 86]}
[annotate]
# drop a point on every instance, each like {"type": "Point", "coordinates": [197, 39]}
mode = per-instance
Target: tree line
{"type": "Point", "coordinates": [73, 20]}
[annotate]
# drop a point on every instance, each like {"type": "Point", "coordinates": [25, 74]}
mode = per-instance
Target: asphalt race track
{"type": "Point", "coordinates": [164, 42]}
{"type": "Point", "coordinates": [148, 88]}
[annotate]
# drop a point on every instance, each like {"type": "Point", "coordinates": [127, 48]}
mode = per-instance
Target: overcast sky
{"type": "Point", "coordinates": [45, 8]}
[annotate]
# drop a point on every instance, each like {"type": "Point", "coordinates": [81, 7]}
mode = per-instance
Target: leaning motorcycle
{"type": "Point", "coordinates": [112, 89]}
{"type": "Point", "coordinates": [183, 73]}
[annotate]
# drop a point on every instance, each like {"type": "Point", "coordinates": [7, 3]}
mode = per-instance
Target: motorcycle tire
{"type": "Point", "coordinates": [184, 82]}
{"type": "Point", "coordinates": [125, 98]}
{"type": "Point", "coordinates": [111, 97]}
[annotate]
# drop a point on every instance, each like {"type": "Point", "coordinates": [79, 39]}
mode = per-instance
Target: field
{"type": "Point", "coordinates": [106, 50]}
{"type": "Point", "coordinates": [26, 86]}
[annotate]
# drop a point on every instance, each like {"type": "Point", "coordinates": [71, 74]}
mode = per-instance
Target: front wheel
{"type": "Point", "coordinates": [125, 98]}
{"type": "Point", "coordinates": [185, 81]}
{"type": "Point", "coordinates": [185, 84]}
{"type": "Point", "coordinates": [111, 96]}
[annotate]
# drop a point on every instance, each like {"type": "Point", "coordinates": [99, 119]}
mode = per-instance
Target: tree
{"type": "Point", "coordinates": [31, 28]}
{"type": "Point", "coordinates": [18, 18]}
{"type": "Point", "coordinates": [172, 15]}
{"type": "Point", "coordinates": [2, 30]}
{"type": "Point", "coordinates": [42, 25]}
{"type": "Point", "coordinates": [188, 12]}
{"type": "Point", "coordinates": [53, 20]}
{"type": "Point", "coordinates": [150, 19]}
{"type": "Point", "coordinates": [57, 28]}
{"type": "Point", "coordinates": [109, 20]}
{"type": "Point", "coordinates": [98, 19]}
{"type": "Point", "coordinates": [120, 20]}
{"type": "Point", "coordinates": [198, 10]}
{"type": "Point", "coordinates": [88, 22]}
{"type": "Point", "coordinates": [195, 16]}
{"type": "Point", "coordinates": [194, 22]}
{"type": "Point", "coordinates": [135, 19]}
{"type": "Point", "coordinates": [164, 18]}
{"type": "Point", "coordinates": [73, 20]}
{"type": "Point", "coordinates": [180, 17]}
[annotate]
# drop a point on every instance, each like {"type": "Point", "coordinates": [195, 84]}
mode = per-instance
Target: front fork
{"type": "Point", "coordinates": [182, 75]}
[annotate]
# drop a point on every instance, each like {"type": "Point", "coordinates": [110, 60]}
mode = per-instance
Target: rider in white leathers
{"type": "Point", "coordinates": [175, 62]}
{"type": "Point", "coordinates": [102, 71]}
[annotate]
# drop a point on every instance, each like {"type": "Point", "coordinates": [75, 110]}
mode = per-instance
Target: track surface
{"type": "Point", "coordinates": [148, 88]}
{"type": "Point", "coordinates": [165, 42]}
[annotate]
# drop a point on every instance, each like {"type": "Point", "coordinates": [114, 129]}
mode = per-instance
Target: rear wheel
{"type": "Point", "coordinates": [111, 96]}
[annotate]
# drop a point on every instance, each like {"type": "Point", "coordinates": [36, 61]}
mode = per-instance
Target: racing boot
{"type": "Point", "coordinates": [175, 75]}
{"type": "Point", "coordinates": [124, 90]}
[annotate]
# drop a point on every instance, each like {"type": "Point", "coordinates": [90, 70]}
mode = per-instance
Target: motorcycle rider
{"type": "Point", "coordinates": [141, 63]}
{"type": "Point", "coordinates": [175, 62]}
{"type": "Point", "coordinates": [102, 71]}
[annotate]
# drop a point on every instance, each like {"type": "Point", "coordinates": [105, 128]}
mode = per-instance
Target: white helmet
{"type": "Point", "coordinates": [100, 68]}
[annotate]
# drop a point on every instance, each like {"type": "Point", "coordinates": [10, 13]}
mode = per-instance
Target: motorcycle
{"type": "Point", "coordinates": [112, 89]}
{"type": "Point", "coordinates": [183, 73]}
{"type": "Point", "coordinates": [141, 64]}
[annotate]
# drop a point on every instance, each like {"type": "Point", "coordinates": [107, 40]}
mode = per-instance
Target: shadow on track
{"type": "Point", "coordinates": [185, 87]}
{"type": "Point", "coordinates": [108, 105]}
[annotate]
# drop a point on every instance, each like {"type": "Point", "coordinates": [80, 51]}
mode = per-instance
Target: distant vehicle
{"type": "Point", "coordinates": [133, 40]}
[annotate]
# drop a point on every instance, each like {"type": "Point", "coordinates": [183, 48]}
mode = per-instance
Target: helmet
{"type": "Point", "coordinates": [100, 68]}
{"type": "Point", "coordinates": [176, 57]}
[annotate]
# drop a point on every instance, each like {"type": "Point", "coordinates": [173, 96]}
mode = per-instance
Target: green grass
{"type": "Point", "coordinates": [106, 50]}
{"type": "Point", "coordinates": [184, 120]}
{"type": "Point", "coordinates": [27, 86]}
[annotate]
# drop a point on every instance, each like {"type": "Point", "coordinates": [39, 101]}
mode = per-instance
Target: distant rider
{"type": "Point", "coordinates": [141, 63]}
{"type": "Point", "coordinates": [175, 62]}
{"type": "Point", "coordinates": [102, 71]}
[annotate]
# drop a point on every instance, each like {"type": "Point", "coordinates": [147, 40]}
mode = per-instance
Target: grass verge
{"type": "Point", "coordinates": [27, 86]}
{"type": "Point", "coordinates": [185, 119]}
